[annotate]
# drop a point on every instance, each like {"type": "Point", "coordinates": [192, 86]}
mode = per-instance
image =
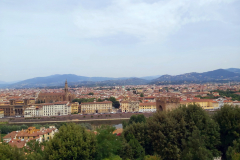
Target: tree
{"type": "Point", "coordinates": [228, 118]}
{"type": "Point", "coordinates": [34, 150]}
{"type": "Point", "coordinates": [233, 152]}
{"type": "Point", "coordinates": [116, 103]}
{"type": "Point", "coordinates": [99, 100]}
{"type": "Point", "coordinates": [10, 153]}
{"type": "Point", "coordinates": [171, 133]}
{"type": "Point", "coordinates": [135, 119]}
{"type": "Point", "coordinates": [140, 132]}
{"type": "Point", "coordinates": [91, 93]}
{"type": "Point", "coordinates": [71, 142]}
{"type": "Point", "coordinates": [108, 144]}
{"type": "Point", "coordinates": [137, 150]}
{"type": "Point", "coordinates": [141, 95]}
{"type": "Point", "coordinates": [194, 147]}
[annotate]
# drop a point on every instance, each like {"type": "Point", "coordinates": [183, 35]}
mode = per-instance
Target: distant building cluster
{"type": "Point", "coordinates": [20, 138]}
{"type": "Point", "coordinates": [139, 98]}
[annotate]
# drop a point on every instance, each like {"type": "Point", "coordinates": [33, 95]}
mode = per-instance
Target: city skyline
{"type": "Point", "coordinates": [117, 38]}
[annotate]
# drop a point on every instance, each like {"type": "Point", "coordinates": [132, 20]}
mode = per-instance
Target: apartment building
{"type": "Point", "coordinates": [57, 108]}
{"type": "Point", "coordinates": [20, 138]}
{"type": "Point", "coordinates": [147, 107]}
{"type": "Point", "coordinates": [74, 107]}
{"type": "Point", "coordinates": [130, 106]}
{"type": "Point", "coordinates": [33, 111]}
{"type": "Point", "coordinates": [96, 107]}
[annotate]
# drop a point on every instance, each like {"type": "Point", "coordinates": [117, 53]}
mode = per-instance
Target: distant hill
{"type": "Point", "coordinates": [150, 77]}
{"type": "Point", "coordinates": [122, 82]}
{"type": "Point", "coordinates": [235, 70]}
{"type": "Point", "coordinates": [220, 75]}
{"type": "Point", "coordinates": [74, 80]}
{"type": "Point", "coordinates": [55, 80]}
{"type": "Point", "coordinates": [211, 76]}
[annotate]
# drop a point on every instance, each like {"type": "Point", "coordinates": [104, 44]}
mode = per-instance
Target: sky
{"type": "Point", "coordinates": [117, 38]}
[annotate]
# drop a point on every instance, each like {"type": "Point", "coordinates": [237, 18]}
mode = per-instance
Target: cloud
{"type": "Point", "coordinates": [146, 21]}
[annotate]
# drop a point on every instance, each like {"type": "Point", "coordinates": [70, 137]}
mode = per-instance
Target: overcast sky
{"type": "Point", "coordinates": [117, 38]}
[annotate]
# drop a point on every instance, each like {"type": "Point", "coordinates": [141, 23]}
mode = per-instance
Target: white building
{"type": "Point", "coordinates": [57, 108]}
{"type": "Point", "coordinates": [33, 111]}
{"type": "Point", "coordinates": [48, 109]}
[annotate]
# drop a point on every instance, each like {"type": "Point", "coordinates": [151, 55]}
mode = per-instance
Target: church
{"type": "Point", "coordinates": [55, 97]}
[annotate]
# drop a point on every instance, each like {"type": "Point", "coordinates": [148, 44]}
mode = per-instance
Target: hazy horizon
{"type": "Point", "coordinates": [110, 38]}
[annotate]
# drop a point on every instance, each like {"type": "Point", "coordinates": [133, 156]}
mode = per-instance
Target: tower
{"type": "Point", "coordinates": [66, 87]}
{"type": "Point", "coordinates": [167, 103]}
{"type": "Point", "coordinates": [66, 91]}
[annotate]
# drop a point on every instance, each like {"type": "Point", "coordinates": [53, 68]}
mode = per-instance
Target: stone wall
{"type": "Point", "coordinates": [167, 103]}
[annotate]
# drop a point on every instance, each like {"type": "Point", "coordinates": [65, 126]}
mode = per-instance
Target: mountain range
{"type": "Point", "coordinates": [219, 75]}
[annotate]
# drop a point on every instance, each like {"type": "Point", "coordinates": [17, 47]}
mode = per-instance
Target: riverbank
{"type": "Point", "coordinates": [74, 120]}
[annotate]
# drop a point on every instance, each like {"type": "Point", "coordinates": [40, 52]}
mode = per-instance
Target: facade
{"type": "Point", "coordinates": [1, 113]}
{"type": "Point", "coordinates": [204, 103]}
{"type": "Point", "coordinates": [130, 106]}
{"type": "Point", "coordinates": [15, 107]}
{"type": "Point", "coordinates": [147, 107]}
{"type": "Point", "coordinates": [74, 107]}
{"type": "Point", "coordinates": [57, 108]}
{"type": "Point", "coordinates": [55, 97]}
{"type": "Point", "coordinates": [96, 107]}
{"type": "Point", "coordinates": [33, 111]}
{"type": "Point", "coordinates": [167, 103]}
{"type": "Point", "coordinates": [20, 138]}
{"type": "Point", "coordinates": [150, 99]}
{"type": "Point", "coordinates": [208, 104]}
{"type": "Point", "coordinates": [48, 109]}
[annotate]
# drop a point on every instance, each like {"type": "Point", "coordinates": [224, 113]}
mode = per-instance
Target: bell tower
{"type": "Point", "coordinates": [66, 91]}
{"type": "Point", "coordinates": [66, 87]}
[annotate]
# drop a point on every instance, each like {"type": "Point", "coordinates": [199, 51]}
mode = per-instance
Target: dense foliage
{"type": "Point", "coordinates": [228, 118]}
{"type": "Point", "coordinates": [233, 152]}
{"type": "Point", "coordinates": [173, 134]}
{"type": "Point", "coordinates": [5, 129]}
{"type": "Point", "coordinates": [10, 153]}
{"type": "Point", "coordinates": [83, 100]}
{"type": "Point", "coordinates": [71, 142]}
{"type": "Point", "coordinates": [116, 103]}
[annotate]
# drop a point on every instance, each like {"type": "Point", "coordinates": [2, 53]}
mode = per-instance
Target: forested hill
{"type": "Point", "coordinates": [216, 75]}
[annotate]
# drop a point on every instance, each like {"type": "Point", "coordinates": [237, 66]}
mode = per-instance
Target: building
{"type": "Point", "coordinates": [96, 107]}
{"type": "Point", "coordinates": [204, 103]}
{"type": "Point", "coordinates": [1, 113]}
{"type": "Point", "coordinates": [20, 138]}
{"type": "Point", "coordinates": [149, 99]}
{"type": "Point", "coordinates": [167, 103]}
{"type": "Point", "coordinates": [55, 97]}
{"type": "Point", "coordinates": [48, 109]}
{"type": "Point", "coordinates": [147, 107]}
{"type": "Point", "coordinates": [15, 107]}
{"type": "Point", "coordinates": [74, 107]}
{"type": "Point", "coordinates": [33, 111]}
{"type": "Point", "coordinates": [130, 106]}
{"type": "Point", "coordinates": [57, 108]}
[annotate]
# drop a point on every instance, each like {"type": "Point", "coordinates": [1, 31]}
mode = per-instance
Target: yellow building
{"type": "Point", "coordinates": [32, 133]}
{"type": "Point", "coordinates": [74, 107]}
{"type": "Point", "coordinates": [204, 103]}
{"type": "Point", "coordinates": [96, 107]}
{"type": "Point", "coordinates": [147, 107]}
{"type": "Point", "coordinates": [130, 106]}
